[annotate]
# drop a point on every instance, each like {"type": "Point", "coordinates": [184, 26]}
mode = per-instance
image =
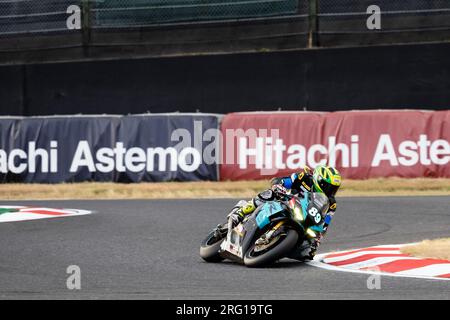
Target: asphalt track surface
{"type": "Point", "coordinates": [149, 250]}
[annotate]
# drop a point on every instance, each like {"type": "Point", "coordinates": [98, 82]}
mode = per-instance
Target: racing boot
{"type": "Point", "coordinates": [305, 252]}
{"type": "Point", "coordinates": [240, 210]}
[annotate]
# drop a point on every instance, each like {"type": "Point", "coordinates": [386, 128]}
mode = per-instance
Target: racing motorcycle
{"type": "Point", "coordinates": [270, 233]}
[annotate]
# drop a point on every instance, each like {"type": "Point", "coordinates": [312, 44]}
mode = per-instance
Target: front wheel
{"type": "Point", "coordinates": [210, 247]}
{"type": "Point", "coordinates": [278, 248]}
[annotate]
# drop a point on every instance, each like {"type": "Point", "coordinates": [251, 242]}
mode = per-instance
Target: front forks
{"type": "Point", "coordinates": [266, 237]}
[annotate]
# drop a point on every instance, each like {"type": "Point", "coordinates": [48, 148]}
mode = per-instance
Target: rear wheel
{"type": "Point", "coordinates": [210, 247]}
{"type": "Point", "coordinates": [277, 248]}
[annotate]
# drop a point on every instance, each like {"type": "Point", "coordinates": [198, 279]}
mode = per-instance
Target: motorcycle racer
{"type": "Point", "coordinates": [323, 179]}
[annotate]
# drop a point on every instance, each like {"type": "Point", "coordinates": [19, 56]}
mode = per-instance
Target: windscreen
{"type": "Point", "coordinates": [321, 202]}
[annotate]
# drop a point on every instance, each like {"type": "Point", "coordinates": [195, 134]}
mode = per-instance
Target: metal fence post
{"type": "Point", "coordinates": [313, 23]}
{"type": "Point", "coordinates": [86, 23]}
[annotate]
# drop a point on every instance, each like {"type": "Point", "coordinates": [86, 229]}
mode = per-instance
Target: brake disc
{"type": "Point", "coordinates": [266, 244]}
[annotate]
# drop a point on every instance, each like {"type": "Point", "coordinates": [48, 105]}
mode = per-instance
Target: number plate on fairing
{"type": "Point", "coordinates": [233, 242]}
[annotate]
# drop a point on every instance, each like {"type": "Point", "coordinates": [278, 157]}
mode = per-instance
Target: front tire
{"type": "Point", "coordinates": [254, 259]}
{"type": "Point", "coordinates": [210, 248]}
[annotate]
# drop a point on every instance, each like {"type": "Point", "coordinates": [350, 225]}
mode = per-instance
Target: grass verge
{"type": "Point", "coordinates": [226, 189]}
{"type": "Point", "coordinates": [436, 249]}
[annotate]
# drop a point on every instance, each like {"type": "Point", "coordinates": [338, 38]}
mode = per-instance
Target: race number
{"type": "Point", "coordinates": [313, 212]}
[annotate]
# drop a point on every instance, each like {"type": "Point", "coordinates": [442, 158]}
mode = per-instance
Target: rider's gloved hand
{"type": "Point", "coordinates": [279, 189]}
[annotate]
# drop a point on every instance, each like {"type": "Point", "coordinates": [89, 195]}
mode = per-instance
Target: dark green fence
{"type": "Point", "coordinates": [33, 16]}
{"type": "Point", "coordinates": [117, 13]}
{"type": "Point", "coordinates": [28, 16]}
{"type": "Point", "coordinates": [328, 22]}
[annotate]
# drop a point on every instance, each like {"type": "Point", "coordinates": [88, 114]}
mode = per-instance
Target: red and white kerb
{"type": "Point", "coordinates": [386, 260]}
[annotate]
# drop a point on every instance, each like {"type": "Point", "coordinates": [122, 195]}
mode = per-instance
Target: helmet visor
{"type": "Point", "coordinates": [329, 189]}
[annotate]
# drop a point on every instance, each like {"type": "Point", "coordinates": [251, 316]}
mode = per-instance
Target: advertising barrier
{"type": "Point", "coordinates": [361, 144]}
{"type": "Point", "coordinates": [135, 148]}
{"type": "Point", "coordinates": [253, 145]}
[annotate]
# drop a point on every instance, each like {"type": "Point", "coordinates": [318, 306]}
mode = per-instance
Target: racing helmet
{"type": "Point", "coordinates": [326, 180]}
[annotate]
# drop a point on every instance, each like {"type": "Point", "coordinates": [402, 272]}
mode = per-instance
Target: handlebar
{"type": "Point", "coordinates": [284, 195]}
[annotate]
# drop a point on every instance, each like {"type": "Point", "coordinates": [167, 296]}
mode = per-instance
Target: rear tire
{"type": "Point", "coordinates": [210, 248]}
{"type": "Point", "coordinates": [281, 249]}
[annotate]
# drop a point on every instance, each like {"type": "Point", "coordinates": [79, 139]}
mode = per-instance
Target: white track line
{"type": "Point", "coordinates": [432, 270]}
{"type": "Point", "coordinates": [23, 216]}
{"type": "Point", "coordinates": [29, 215]}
